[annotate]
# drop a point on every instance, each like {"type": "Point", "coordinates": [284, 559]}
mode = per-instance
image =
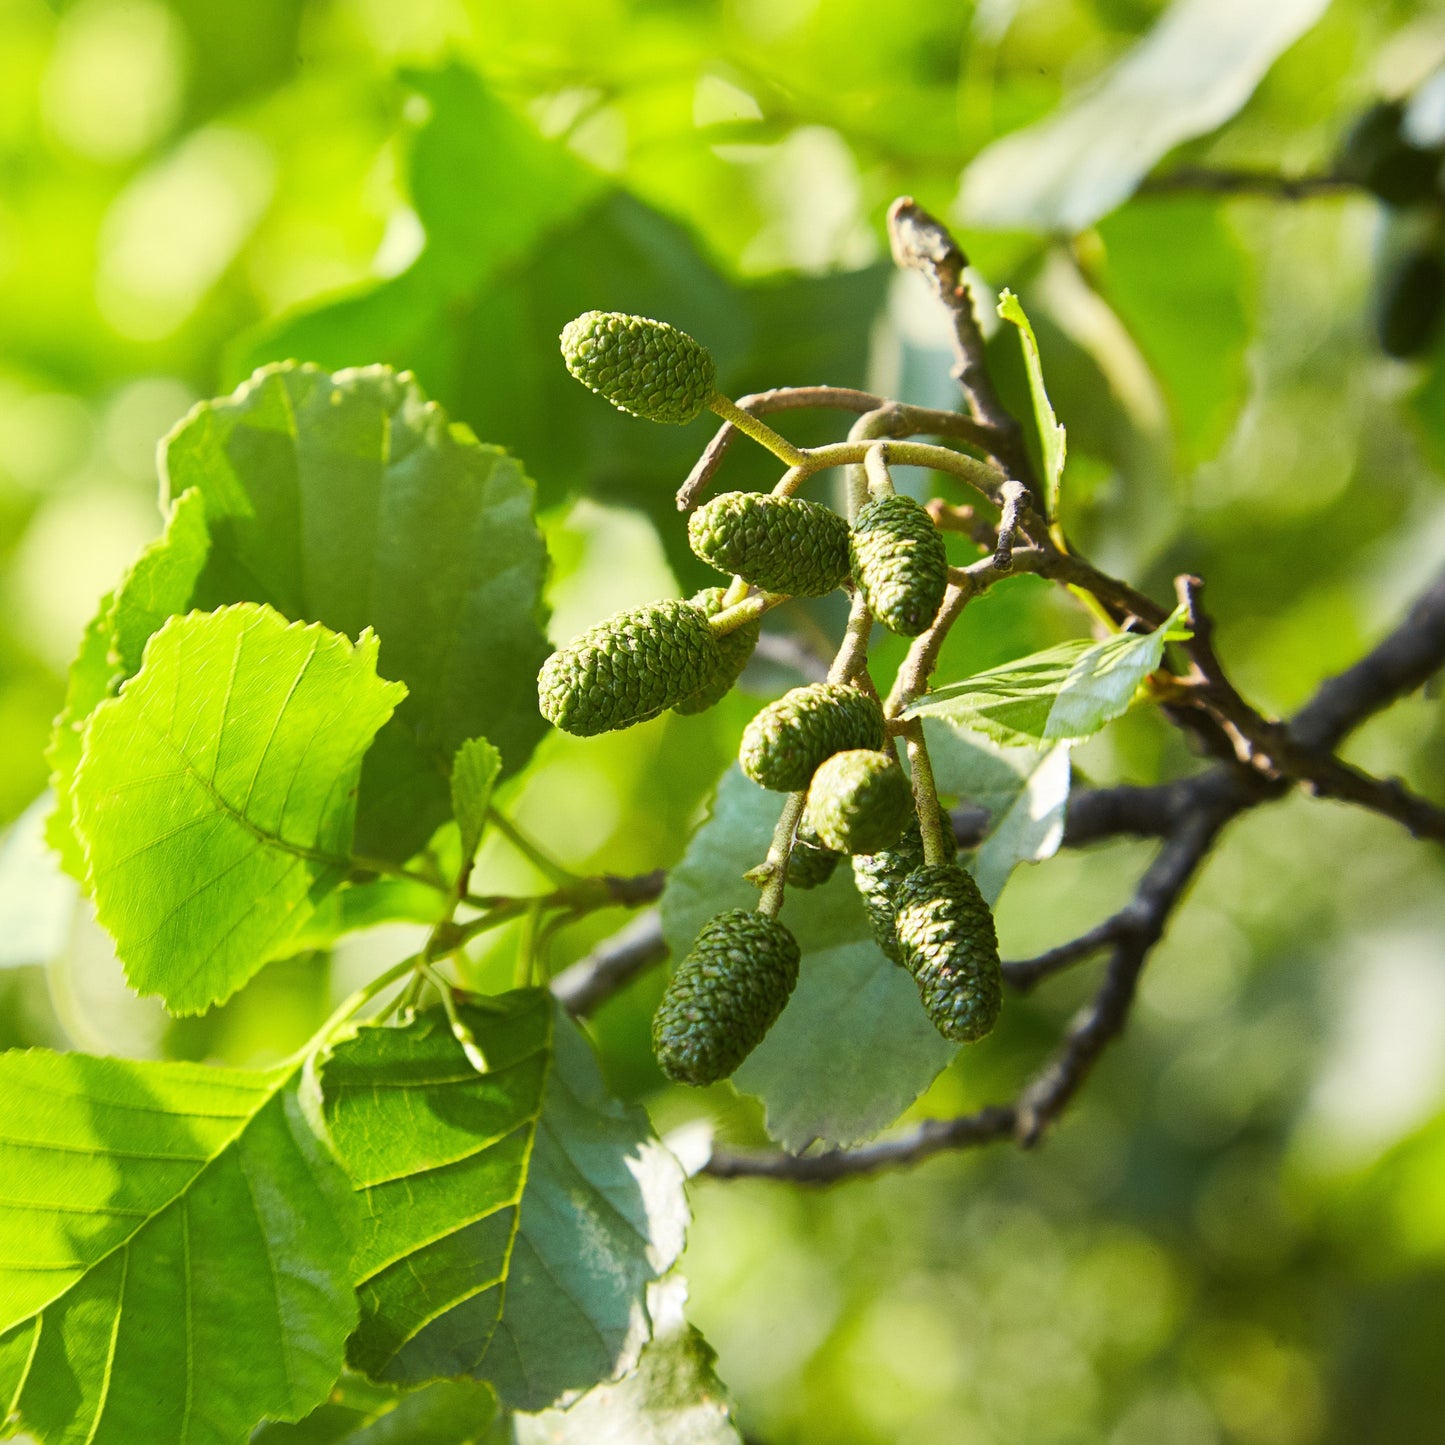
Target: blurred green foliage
{"type": "Point", "coordinates": [1237, 1235]}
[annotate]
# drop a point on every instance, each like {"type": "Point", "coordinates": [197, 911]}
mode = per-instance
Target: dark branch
{"type": "Point", "coordinates": [923, 244]}
{"type": "Point", "coordinates": [611, 966]}
{"type": "Point", "coordinates": [1405, 660]}
{"type": "Point", "coordinates": [1229, 182]}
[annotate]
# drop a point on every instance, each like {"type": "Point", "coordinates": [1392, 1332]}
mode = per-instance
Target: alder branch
{"type": "Point", "coordinates": [1189, 814]}
{"type": "Point", "coordinates": [1224, 181]}
{"type": "Point", "coordinates": [585, 986]}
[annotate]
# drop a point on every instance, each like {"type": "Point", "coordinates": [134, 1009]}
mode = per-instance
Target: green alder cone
{"type": "Point", "coordinates": [899, 562]}
{"type": "Point", "coordinates": [628, 668]}
{"type": "Point", "coordinates": [877, 876]}
{"type": "Point", "coordinates": [858, 802]}
{"type": "Point", "coordinates": [724, 996]}
{"type": "Point", "coordinates": [786, 742]}
{"type": "Point", "coordinates": [810, 865]}
{"type": "Point", "coordinates": [643, 367]}
{"type": "Point", "coordinates": [734, 650]}
{"type": "Point", "coordinates": [947, 942]}
{"type": "Point", "coordinates": [781, 544]}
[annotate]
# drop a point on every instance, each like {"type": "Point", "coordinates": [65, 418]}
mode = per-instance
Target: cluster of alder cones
{"type": "Point", "coordinates": [826, 741]}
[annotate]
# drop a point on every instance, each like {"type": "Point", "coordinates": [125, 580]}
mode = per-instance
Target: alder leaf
{"type": "Point", "coordinates": [674, 1397]}
{"type": "Point", "coordinates": [351, 500]}
{"type": "Point", "coordinates": [1195, 68]}
{"type": "Point", "coordinates": [853, 1048]}
{"type": "Point", "coordinates": [1024, 791]}
{"type": "Point", "coordinates": [451, 1412]}
{"type": "Point", "coordinates": [511, 1220]}
{"type": "Point", "coordinates": [158, 585]}
{"type": "Point", "coordinates": [216, 793]}
{"type": "Point", "coordinates": [474, 774]}
{"type": "Point", "coordinates": [1062, 694]}
{"type": "Point", "coordinates": [1052, 441]}
{"type": "Point", "coordinates": [174, 1247]}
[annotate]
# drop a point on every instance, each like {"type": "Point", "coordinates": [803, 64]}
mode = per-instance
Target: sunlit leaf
{"type": "Point", "coordinates": [352, 500]}
{"type": "Point", "coordinates": [1199, 65]}
{"type": "Point", "coordinates": [1059, 695]}
{"type": "Point", "coordinates": [173, 1251]}
{"type": "Point", "coordinates": [474, 773]}
{"type": "Point", "coordinates": [216, 794]}
{"type": "Point", "coordinates": [512, 1219]}
{"type": "Point", "coordinates": [1051, 434]}
{"type": "Point", "coordinates": [158, 585]}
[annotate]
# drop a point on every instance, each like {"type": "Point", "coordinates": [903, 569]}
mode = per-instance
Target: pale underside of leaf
{"type": "Point", "coordinates": [1195, 69]}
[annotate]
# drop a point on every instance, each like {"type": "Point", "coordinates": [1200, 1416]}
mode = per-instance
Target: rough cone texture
{"type": "Point", "coordinates": [947, 942]}
{"type": "Point", "coordinates": [628, 668]}
{"type": "Point", "coordinates": [784, 744]}
{"type": "Point", "coordinates": [645, 367]}
{"type": "Point", "coordinates": [724, 996]}
{"type": "Point", "coordinates": [899, 563]}
{"type": "Point", "coordinates": [858, 802]}
{"type": "Point", "coordinates": [734, 650]}
{"type": "Point", "coordinates": [781, 544]}
{"type": "Point", "coordinates": [877, 876]}
{"type": "Point", "coordinates": [809, 864]}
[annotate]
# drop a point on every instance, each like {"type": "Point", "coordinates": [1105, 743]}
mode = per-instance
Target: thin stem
{"type": "Point", "coordinates": [852, 654]}
{"type": "Point", "coordinates": [531, 850]}
{"type": "Point", "coordinates": [739, 614]}
{"type": "Point", "coordinates": [779, 851]}
{"type": "Point", "coordinates": [983, 478]}
{"type": "Point", "coordinates": [460, 1031]}
{"type": "Point", "coordinates": [758, 430]}
{"type": "Point", "coordinates": [353, 1005]}
{"type": "Point", "coordinates": [936, 828]}
{"type": "Point", "coordinates": [875, 468]}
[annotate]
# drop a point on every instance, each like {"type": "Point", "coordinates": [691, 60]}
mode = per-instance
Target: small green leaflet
{"type": "Point", "coordinates": [511, 1220]}
{"type": "Point", "coordinates": [1062, 694]}
{"type": "Point", "coordinates": [216, 794]}
{"type": "Point", "coordinates": [853, 1048]}
{"type": "Point", "coordinates": [674, 1397]}
{"type": "Point", "coordinates": [158, 585]}
{"type": "Point", "coordinates": [351, 500]}
{"type": "Point", "coordinates": [1051, 434]}
{"type": "Point", "coordinates": [474, 774]}
{"type": "Point", "coordinates": [185, 1242]}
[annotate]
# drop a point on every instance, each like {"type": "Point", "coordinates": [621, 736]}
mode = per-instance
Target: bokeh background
{"type": "Point", "coordinates": [1239, 1233]}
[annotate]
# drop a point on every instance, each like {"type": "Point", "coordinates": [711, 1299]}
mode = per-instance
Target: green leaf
{"type": "Point", "coordinates": [511, 1219]}
{"type": "Point", "coordinates": [1051, 434]}
{"type": "Point", "coordinates": [674, 1397]}
{"type": "Point", "coordinates": [350, 500]}
{"type": "Point", "coordinates": [1024, 791]}
{"type": "Point", "coordinates": [216, 793]}
{"type": "Point", "coordinates": [173, 1251]}
{"type": "Point", "coordinates": [1062, 694]}
{"type": "Point", "coordinates": [158, 585]}
{"type": "Point", "coordinates": [853, 1048]}
{"type": "Point", "coordinates": [1195, 69]}
{"type": "Point", "coordinates": [474, 774]}
{"type": "Point", "coordinates": [556, 247]}
{"type": "Point", "coordinates": [453, 1412]}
